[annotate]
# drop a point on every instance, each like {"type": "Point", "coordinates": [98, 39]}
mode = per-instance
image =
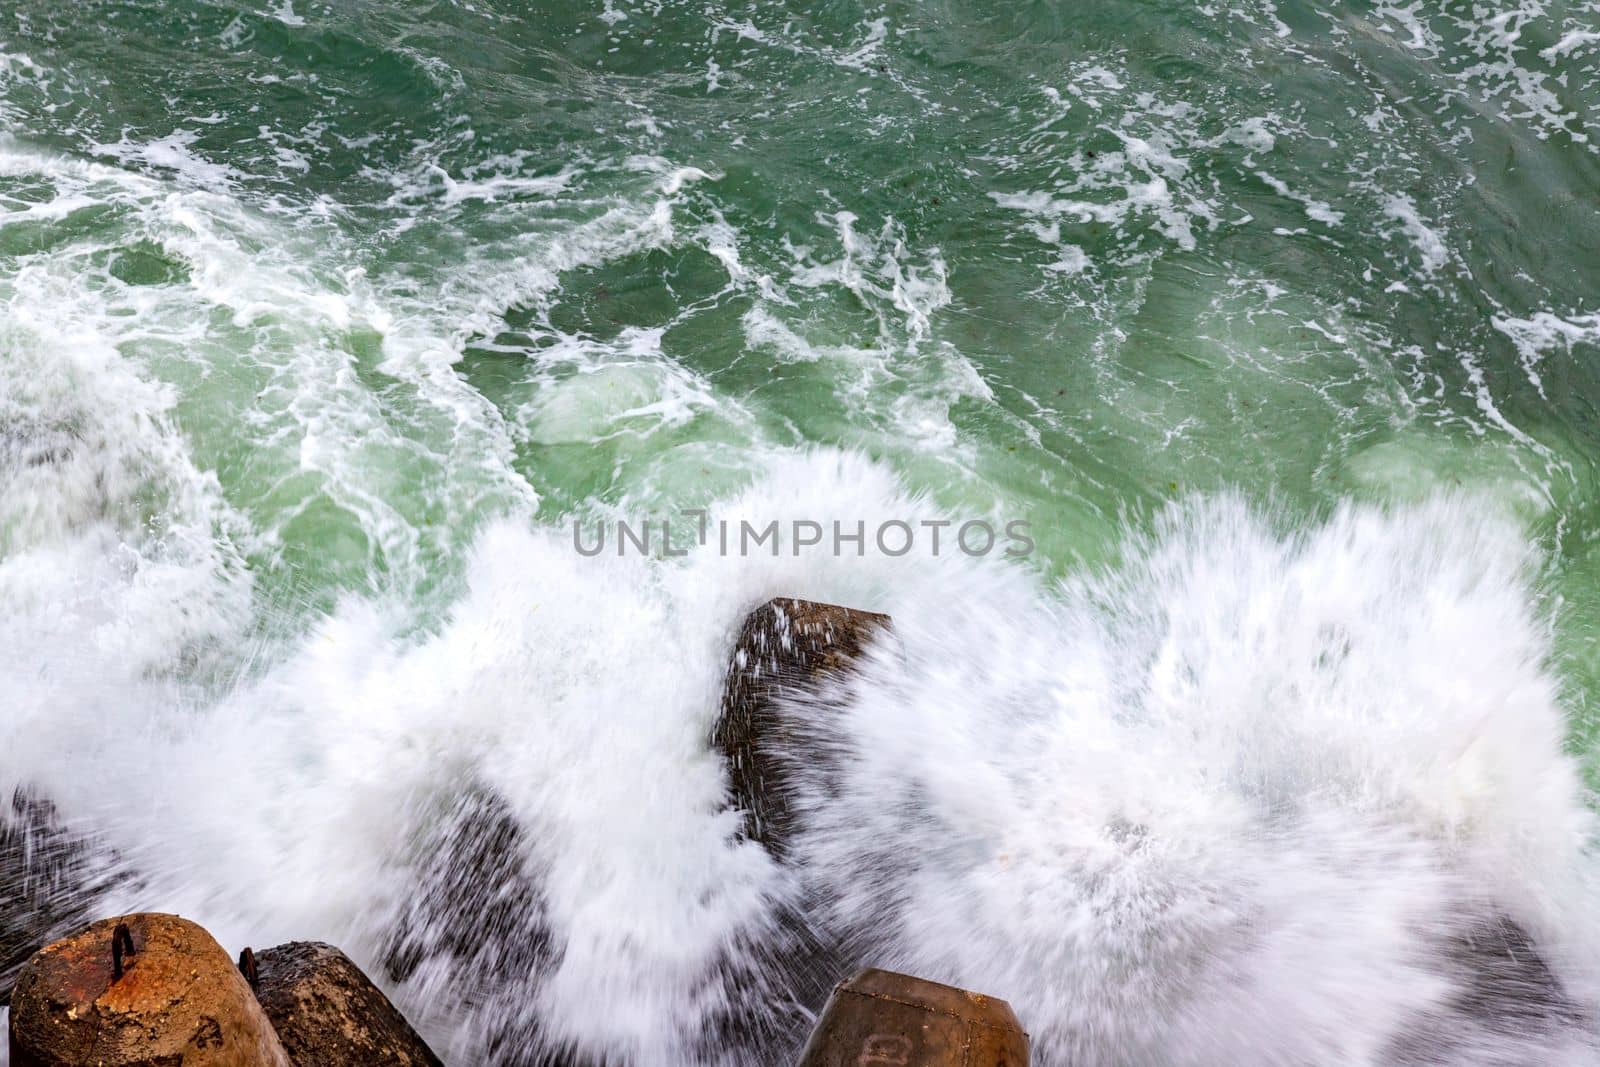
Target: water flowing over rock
{"type": "Point", "coordinates": [1505, 997]}
{"type": "Point", "coordinates": [785, 648]}
{"type": "Point", "coordinates": [478, 916]}
{"type": "Point", "coordinates": [327, 1013]}
{"type": "Point", "coordinates": [476, 902]}
{"type": "Point", "coordinates": [50, 876]}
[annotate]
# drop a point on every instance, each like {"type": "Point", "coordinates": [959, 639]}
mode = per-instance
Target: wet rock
{"type": "Point", "coordinates": [476, 905]}
{"type": "Point", "coordinates": [879, 1017]}
{"type": "Point", "coordinates": [1507, 977]}
{"type": "Point", "coordinates": [35, 445]}
{"type": "Point", "coordinates": [476, 926]}
{"type": "Point", "coordinates": [327, 1013]}
{"type": "Point", "coordinates": [51, 877]}
{"type": "Point", "coordinates": [1505, 997]}
{"type": "Point", "coordinates": [143, 990]}
{"type": "Point", "coordinates": [772, 983]}
{"type": "Point", "coordinates": [785, 648]}
{"type": "Point", "coordinates": [475, 922]}
{"type": "Point", "coordinates": [477, 914]}
{"type": "Point", "coordinates": [769, 982]}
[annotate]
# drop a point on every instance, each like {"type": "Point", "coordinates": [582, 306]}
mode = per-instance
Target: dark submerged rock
{"type": "Point", "coordinates": [772, 982]}
{"type": "Point", "coordinates": [478, 911]}
{"type": "Point", "coordinates": [327, 1013]}
{"type": "Point", "coordinates": [476, 904]}
{"type": "Point", "coordinates": [51, 877]}
{"type": "Point", "coordinates": [1506, 978]}
{"type": "Point", "coordinates": [1506, 997]}
{"type": "Point", "coordinates": [24, 445]}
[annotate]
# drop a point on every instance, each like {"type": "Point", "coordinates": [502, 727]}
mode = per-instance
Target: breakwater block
{"type": "Point", "coordinates": [328, 1013]}
{"type": "Point", "coordinates": [143, 990]}
{"type": "Point", "coordinates": [883, 1019]}
{"type": "Point", "coordinates": [785, 648]}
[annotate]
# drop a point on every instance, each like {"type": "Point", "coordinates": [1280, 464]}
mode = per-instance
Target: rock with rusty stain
{"type": "Point", "coordinates": [883, 1018]}
{"type": "Point", "coordinates": [329, 1014]}
{"type": "Point", "coordinates": [786, 649]}
{"type": "Point", "coordinates": [179, 1001]}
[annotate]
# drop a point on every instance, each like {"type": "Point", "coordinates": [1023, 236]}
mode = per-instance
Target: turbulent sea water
{"type": "Point", "coordinates": [322, 322]}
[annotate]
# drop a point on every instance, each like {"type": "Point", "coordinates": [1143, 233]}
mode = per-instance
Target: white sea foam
{"type": "Point", "coordinates": [1544, 332]}
{"type": "Point", "coordinates": [1225, 805]}
{"type": "Point", "coordinates": [1424, 238]}
{"type": "Point", "coordinates": [1570, 43]}
{"type": "Point", "coordinates": [1157, 181]}
{"type": "Point", "coordinates": [251, 298]}
{"type": "Point", "coordinates": [285, 14]}
{"type": "Point", "coordinates": [174, 153]}
{"type": "Point", "coordinates": [1316, 210]}
{"type": "Point", "coordinates": [1226, 801]}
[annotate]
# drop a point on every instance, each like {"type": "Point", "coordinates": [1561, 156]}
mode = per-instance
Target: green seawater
{"type": "Point", "coordinates": [1056, 262]}
{"type": "Point", "coordinates": [1047, 261]}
